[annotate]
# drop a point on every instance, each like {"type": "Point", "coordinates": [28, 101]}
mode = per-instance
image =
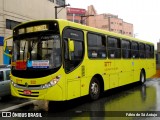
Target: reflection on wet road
{"type": "Point", "coordinates": [124, 103]}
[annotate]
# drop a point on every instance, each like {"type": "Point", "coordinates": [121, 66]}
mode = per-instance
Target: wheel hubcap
{"type": "Point", "coordinates": [94, 88]}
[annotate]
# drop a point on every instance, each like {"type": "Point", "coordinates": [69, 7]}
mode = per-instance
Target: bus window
{"type": "Point", "coordinates": [152, 51]}
{"type": "Point", "coordinates": [148, 51]}
{"type": "Point", "coordinates": [114, 50]}
{"type": "Point", "coordinates": [96, 46]}
{"type": "Point", "coordinates": [78, 53]}
{"type": "Point", "coordinates": [142, 50]}
{"type": "Point", "coordinates": [126, 48]}
{"type": "Point", "coordinates": [135, 50]}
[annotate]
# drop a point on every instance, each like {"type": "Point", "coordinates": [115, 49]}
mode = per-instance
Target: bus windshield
{"type": "Point", "coordinates": [41, 51]}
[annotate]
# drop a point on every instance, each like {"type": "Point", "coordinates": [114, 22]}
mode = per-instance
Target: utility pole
{"type": "Point", "coordinates": [86, 16]}
{"type": "Point", "coordinates": [61, 6]}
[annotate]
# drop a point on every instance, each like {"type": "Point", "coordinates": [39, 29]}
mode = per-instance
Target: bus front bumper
{"type": "Point", "coordinates": [53, 93]}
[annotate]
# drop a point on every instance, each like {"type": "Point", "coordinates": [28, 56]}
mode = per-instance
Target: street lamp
{"type": "Point", "coordinates": [61, 6]}
{"type": "Point", "coordinates": [135, 34]}
{"type": "Point", "coordinates": [86, 16]}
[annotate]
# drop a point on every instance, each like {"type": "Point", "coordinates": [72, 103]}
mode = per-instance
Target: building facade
{"type": "Point", "coordinates": [13, 12]}
{"type": "Point", "coordinates": [109, 22]}
{"type": "Point", "coordinates": [76, 15]}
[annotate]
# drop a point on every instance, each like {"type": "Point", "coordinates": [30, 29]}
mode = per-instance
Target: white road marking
{"type": "Point", "coordinates": [18, 106]}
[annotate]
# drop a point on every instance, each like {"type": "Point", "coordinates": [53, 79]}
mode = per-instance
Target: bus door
{"type": "Point", "coordinates": [73, 56]}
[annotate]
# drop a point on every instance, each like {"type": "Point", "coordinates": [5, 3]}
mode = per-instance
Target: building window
{"type": "Point", "coordinates": [104, 26]}
{"type": "Point", "coordinates": [60, 2]}
{"type": "Point", "coordinates": [120, 24]}
{"type": "Point", "coordinates": [120, 31]}
{"type": "Point", "coordinates": [10, 24]}
{"type": "Point", "coordinates": [51, 1]}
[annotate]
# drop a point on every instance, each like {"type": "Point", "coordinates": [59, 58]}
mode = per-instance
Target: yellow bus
{"type": "Point", "coordinates": [58, 60]}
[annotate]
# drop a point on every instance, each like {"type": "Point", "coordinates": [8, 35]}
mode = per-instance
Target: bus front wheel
{"type": "Point", "coordinates": [142, 77]}
{"type": "Point", "coordinates": [94, 89]}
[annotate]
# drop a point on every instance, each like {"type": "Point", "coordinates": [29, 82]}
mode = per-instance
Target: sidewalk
{"type": "Point", "coordinates": [158, 66]}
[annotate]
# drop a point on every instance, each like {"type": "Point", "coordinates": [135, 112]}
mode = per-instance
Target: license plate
{"type": "Point", "coordinates": [27, 92]}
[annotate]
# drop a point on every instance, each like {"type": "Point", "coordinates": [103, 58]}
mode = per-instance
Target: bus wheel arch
{"type": "Point", "coordinates": [142, 76]}
{"type": "Point", "coordinates": [96, 87]}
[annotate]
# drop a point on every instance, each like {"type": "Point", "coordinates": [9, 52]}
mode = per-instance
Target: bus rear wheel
{"type": "Point", "coordinates": [142, 77]}
{"type": "Point", "coordinates": [94, 89]}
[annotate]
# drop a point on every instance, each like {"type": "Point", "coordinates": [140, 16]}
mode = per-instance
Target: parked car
{"type": "Point", "coordinates": [4, 80]}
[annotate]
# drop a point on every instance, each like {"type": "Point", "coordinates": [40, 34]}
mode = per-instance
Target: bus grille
{"type": "Point", "coordinates": [29, 85]}
{"type": "Point", "coordinates": [29, 95]}
{"type": "Point", "coordinates": [33, 94]}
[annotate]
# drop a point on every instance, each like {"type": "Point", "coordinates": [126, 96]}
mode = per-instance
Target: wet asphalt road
{"type": "Point", "coordinates": [9, 101]}
{"type": "Point", "coordinates": [131, 102]}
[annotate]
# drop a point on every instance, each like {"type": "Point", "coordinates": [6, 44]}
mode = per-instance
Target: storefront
{"type": "Point", "coordinates": [3, 58]}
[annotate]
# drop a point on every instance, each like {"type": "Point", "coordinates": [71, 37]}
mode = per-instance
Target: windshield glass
{"type": "Point", "coordinates": [42, 52]}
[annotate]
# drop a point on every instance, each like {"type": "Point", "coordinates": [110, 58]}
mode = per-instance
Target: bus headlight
{"type": "Point", "coordinates": [51, 83]}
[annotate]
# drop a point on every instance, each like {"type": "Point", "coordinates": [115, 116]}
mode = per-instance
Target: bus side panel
{"type": "Point", "coordinates": [110, 78]}
{"type": "Point", "coordinates": [73, 83]}
{"type": "Point", "coordinates": [137, 69]}
{"type": "Point", "coordinates": [85, 81]}
{"type": "Point", "coordinates": [97, 66]}
{"type": "Point", "coordinates": [125, 71]}
{"type": "Point", "coordinates": [73, 89]}
{"type": "Point", "coordinates": [114, 80]}
{"type": "Point", "coordinates": [143, 64]}
{"type": "Point", "coordinates": [106, 79]}
{"type": "Point", "coordinates": [151, 68]}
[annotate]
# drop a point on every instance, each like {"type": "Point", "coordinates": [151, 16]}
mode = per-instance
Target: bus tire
{"type": "Point", "coordinates": [94, 89]}
{"type": "Point", "coordinates": [142, 77]}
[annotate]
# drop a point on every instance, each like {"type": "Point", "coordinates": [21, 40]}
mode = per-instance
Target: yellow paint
{"type": "Point", "coordinates": [115, 72]}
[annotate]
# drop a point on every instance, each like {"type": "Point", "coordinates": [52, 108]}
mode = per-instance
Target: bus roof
{"type": "Point", "coordinates": [105, 32]}
{"type": "Point", "coordinates": [92, 29]}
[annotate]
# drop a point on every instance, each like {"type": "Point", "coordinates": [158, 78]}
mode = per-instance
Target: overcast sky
{"type": "Point", "coordinates": [143, 14]}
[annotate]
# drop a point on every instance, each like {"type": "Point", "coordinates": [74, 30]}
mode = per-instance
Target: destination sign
{"type": "Point", "coordinates": [33, 29]}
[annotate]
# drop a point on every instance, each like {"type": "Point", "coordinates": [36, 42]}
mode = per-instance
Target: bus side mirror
{"type": "Point", "coordinates": [71, 48]}
{"type": "Point", "coordinates": [5, 46]}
